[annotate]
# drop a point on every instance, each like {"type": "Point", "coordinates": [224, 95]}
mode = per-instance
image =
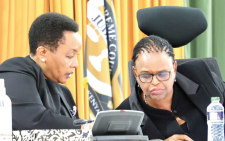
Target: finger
{"type": "Point", "coordinates": [90, 125]}
{"type": "Point", "coordinates": [185, 138]}
{"type": "Point", "coordinates": [180, 138]}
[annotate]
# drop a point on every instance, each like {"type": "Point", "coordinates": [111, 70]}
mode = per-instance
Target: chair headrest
{"type": "Point", "coordinates": [178, 25]}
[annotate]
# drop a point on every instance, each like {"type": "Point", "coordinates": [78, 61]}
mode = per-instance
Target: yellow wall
{"type": "Point", "coordinates": [16, 16]}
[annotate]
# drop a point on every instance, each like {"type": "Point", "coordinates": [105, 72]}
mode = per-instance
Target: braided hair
{"type": "Point", "coordinates": [152, 44]}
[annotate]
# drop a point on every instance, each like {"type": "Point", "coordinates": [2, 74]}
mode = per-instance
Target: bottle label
{"type": "Point", "coordinates": [5, 120]}
{"type": "Point", "coordinates": [215, 115]}
{"type": "Point", "coordinates": [4, 137]}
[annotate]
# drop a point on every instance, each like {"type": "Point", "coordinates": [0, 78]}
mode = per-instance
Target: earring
{"type": "Point", "coordinates": [138, 85]}
{"type": "Point", "coordinates": [175, 80]}
{"type": "Point", "coordinates": [145, 99]}
{"type": "Point", "coordinates": [43, 60]}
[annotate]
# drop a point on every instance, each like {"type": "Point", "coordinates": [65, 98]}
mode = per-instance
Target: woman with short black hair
{"type": "Point", "coordinates": [32, 83]}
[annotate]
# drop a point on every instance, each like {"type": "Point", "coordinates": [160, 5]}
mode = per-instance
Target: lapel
{"type": "Point", "coordinates": [68, 108]}
{"type": "Point", "coordinates": [196, 93]}
{"type": "Point", "coordinates": [147, 124]}
{"type": "Point", "coordinates": [198, 82]}
{"type": "Point", "coordinates": [56, 89]}
{"type": "Point", "coordinates": [135, 105]}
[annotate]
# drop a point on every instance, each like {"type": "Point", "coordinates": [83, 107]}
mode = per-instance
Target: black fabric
{"type": "Point", "coordinates": [124, 105]}
{"type": "Point", "coordinates": [178, 25]}
{"type": "Point", "coordinates": [199, 73]}
{"type": "Point", "coordinates": [199, 84]}
{"type": "Point", "coordinates": [183, 108]}
{"type": "Point", "coordinates": [37, 103]}
{"type": "Point", "coordinates": [211, 62]}
{"type": "Point", "coordinates": [184, 127]}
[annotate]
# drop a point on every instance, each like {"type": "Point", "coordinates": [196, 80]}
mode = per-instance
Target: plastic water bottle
{"type": "Point", "coordinates": [215, 120]}
{"type": "Point", "coordinates": [5, 114]}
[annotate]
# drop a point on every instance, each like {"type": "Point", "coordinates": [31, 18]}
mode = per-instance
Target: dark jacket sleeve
{"type": "Point", "coordinates": [220, 84]}
{"type": "Point", "coordinates": [28, 111]}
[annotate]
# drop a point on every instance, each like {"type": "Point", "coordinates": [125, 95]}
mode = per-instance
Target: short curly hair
{"type": "Point", "coordinates": [152, 44]}
{"type": "Point", "coordinates": [47, 30]}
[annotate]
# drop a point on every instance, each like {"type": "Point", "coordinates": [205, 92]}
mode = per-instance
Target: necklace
{"type": "Point", "coordinates": [147, 103]}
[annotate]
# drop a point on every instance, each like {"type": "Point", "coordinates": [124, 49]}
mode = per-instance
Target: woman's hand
{"type": "Point", "coordinates": [180, 137]}
{"type": "Point", "coordinates": [90, 125]}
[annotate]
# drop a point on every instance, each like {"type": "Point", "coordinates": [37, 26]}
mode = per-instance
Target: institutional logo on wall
{"type": "Point", "coordinates": [103, 70]}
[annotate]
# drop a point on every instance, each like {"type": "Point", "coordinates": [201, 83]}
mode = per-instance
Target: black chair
{"type": "Point", "coordinates": [178, 25]}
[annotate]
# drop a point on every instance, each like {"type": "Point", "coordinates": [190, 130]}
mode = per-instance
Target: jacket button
{"type": "Point", "coordinates": [174, 111]}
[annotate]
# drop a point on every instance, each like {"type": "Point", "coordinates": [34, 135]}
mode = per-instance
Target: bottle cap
{"type": "Point", "coordinates": [2, 86]}
{"type": "Point", "coordinates": [215, 99]}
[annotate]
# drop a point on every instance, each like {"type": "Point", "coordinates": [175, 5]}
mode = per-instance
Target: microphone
{"type": "Point", "coordinates": [81, 121]}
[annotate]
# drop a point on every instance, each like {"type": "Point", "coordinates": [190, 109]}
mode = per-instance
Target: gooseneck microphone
{"type": "Point", "coordinates": [81, 121]}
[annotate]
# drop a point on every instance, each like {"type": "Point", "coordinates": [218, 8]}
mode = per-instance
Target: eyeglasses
{"type": "Point", "coordinates": [161, 76]}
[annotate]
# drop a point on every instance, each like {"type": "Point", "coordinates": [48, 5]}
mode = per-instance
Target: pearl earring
{"type": "Point", "coordinates": [43, 60]}
{"type": "Point", "coordinates": [175, 80]}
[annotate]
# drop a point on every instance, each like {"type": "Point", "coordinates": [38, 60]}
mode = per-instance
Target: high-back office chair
{"type": "Point", "coordinates": [178, 25]}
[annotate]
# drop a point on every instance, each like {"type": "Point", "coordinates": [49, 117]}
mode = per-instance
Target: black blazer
{"type": "Point", "coordinates": [198, 83]}
{"type": "Point", "coordinates": [37, 103]}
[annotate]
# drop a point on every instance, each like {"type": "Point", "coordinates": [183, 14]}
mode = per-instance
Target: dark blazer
{"type": "Point", "coordinates": [198, 83]}
{"type": "Point", "coordinates": [37, 103]}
